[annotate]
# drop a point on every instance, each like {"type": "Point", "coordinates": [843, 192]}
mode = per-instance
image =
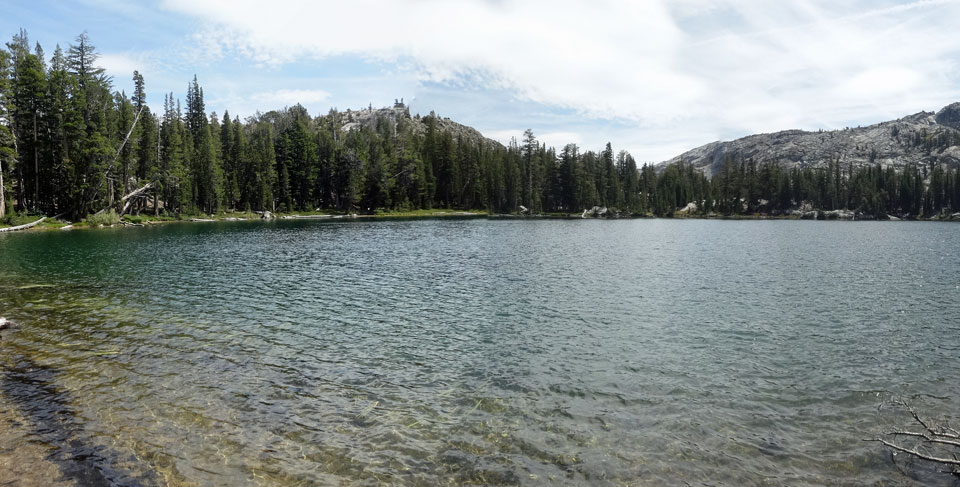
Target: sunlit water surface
{"type": "Point", "coordinates": [475, 352]}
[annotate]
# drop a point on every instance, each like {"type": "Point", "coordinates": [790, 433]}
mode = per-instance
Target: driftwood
{"type": "Point", "coordinates": [933, 443]}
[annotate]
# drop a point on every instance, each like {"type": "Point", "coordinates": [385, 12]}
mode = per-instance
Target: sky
{"type": "Point", "coordinates": [654, 77]}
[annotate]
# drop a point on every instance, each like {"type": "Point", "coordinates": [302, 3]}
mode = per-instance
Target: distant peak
{"type": "Point", "coordinates": [949, 116]}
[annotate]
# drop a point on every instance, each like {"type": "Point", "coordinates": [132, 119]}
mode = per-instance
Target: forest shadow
{"type": "Point", "coordinates": [52, 422]}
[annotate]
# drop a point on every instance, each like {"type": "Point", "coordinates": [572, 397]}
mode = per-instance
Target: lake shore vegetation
{"type": "Point", "coordinates": [74, 146]}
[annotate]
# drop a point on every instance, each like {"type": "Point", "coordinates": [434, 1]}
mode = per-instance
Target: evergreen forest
{"type": "Point", "coordinates": [72, 145]}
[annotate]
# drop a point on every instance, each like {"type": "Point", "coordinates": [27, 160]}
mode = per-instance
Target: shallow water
{"type": "Point", "coordinates": [475, 352]}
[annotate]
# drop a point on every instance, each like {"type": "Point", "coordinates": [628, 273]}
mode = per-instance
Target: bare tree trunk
{"type": "Point", "coordinates": [30, 225]}
{"type": "Point", "coordinates": [20, 203]}
{"type": "Point", "coordinates": [16, 150]}
{"type": "Point", "coordinates": [156, 207]}
{"type": "Point", "coordinates": [129, 199]}
{"type": "Point", "coordinates": [22, 227]}
{"type": "Point", "coordinates": [3, 201]}
{"type": "Point", "coordinates": [36, 165]}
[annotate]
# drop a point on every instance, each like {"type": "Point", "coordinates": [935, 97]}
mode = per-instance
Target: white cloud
{"type": "Point", "coordinates": [881, 82]}
{"type": "Point", "coordinates": [290, 97]}
{"type": "Point", "coordinates": [709, 69]}
{"type": "Point", "coordinates": [121, 65]}
{"type": "Point", "coordinates": [606, 58]}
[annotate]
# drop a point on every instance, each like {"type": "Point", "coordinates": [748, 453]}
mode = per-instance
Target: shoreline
{"type": "Point", "coordinates": [50, 223]}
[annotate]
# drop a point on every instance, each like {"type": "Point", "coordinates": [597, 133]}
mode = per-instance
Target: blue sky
{"type": "Point", "coordinates": [655, 77]}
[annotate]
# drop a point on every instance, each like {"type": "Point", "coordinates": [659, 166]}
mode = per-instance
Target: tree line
{"type": "Point", "coordinates": [70, 144]}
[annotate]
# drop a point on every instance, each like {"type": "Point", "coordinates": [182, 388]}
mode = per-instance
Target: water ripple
{"type": "Point", "coordinates": [477, 352]}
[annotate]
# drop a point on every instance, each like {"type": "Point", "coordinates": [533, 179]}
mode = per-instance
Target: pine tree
{"type": "Point", "coordinates": [66, 130]}
{"type": "Point", "coordinates": [29, 95]}
{"type": "Point", "coordinates": [8, 153]}
{"type": "Point", "coordinates": [374, 194]}
{"type": "Point", "coordinates": [81, 59]}
{"type": "Point", "coordinates": [264, 164]}
{"type": "Point", "coordinates": [229, 161]}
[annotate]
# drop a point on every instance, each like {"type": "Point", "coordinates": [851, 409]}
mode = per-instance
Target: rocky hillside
{"type": "Point", "coordinates": [924, 137]}
{"type": "Point", "coordinates": [400, 114]}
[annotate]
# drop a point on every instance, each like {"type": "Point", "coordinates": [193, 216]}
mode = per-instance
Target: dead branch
{"type": "Point", "coordinates": [115, 156]}
{"type": "Point", "coordinates": [931, 435]}
{"type": "Point", "coordinates": [931, 439]}
{"type": "Point", "coordinates": [914, 452]}
{"type": "Point", "coordinates": [129, 132]}
{"type": "Point", "coordinates": [939, 431]}
{"type": "Point", "coordinates": [128, 199]}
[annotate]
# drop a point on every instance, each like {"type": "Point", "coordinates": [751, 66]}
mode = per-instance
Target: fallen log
{"type": "Point", "coordinates": [31, 224]}
{"type": "Point", "coordinates": [22, 227]}
{"type": "Point", "coordinates": [128, 199]}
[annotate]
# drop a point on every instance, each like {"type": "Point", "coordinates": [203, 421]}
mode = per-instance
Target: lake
{"type": "Point", "coordinates": [501, 352]}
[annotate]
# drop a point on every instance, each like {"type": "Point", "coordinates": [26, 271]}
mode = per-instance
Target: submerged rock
{"type": "Point", "coordinates": [6, 324]}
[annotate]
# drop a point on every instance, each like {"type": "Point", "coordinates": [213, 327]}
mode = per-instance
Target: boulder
{"type": "Point", "coordinates": [837, 215]}
{"type": "Point", "coordinates": [690, 208]}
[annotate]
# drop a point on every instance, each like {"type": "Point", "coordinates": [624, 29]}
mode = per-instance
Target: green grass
{"type": "Point", "coordinates": [17, 219]}
{"type": "Point", "coordinates": [14, 219]}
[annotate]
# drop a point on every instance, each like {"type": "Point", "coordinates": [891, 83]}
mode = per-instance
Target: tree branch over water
{"type": "Point", "coordinates": [938, 443]}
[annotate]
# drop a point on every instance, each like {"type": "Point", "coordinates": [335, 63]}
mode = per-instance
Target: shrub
{"type": "Point", "coordinates": [15, 219]}
{"type": "Point", "coordinates": [106, 218]}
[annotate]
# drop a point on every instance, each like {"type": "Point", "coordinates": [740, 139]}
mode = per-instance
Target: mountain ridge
{"type": "Point", "coordinates": [920, 138]}
{"type": "Point", "coordinates": [399, 113]}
